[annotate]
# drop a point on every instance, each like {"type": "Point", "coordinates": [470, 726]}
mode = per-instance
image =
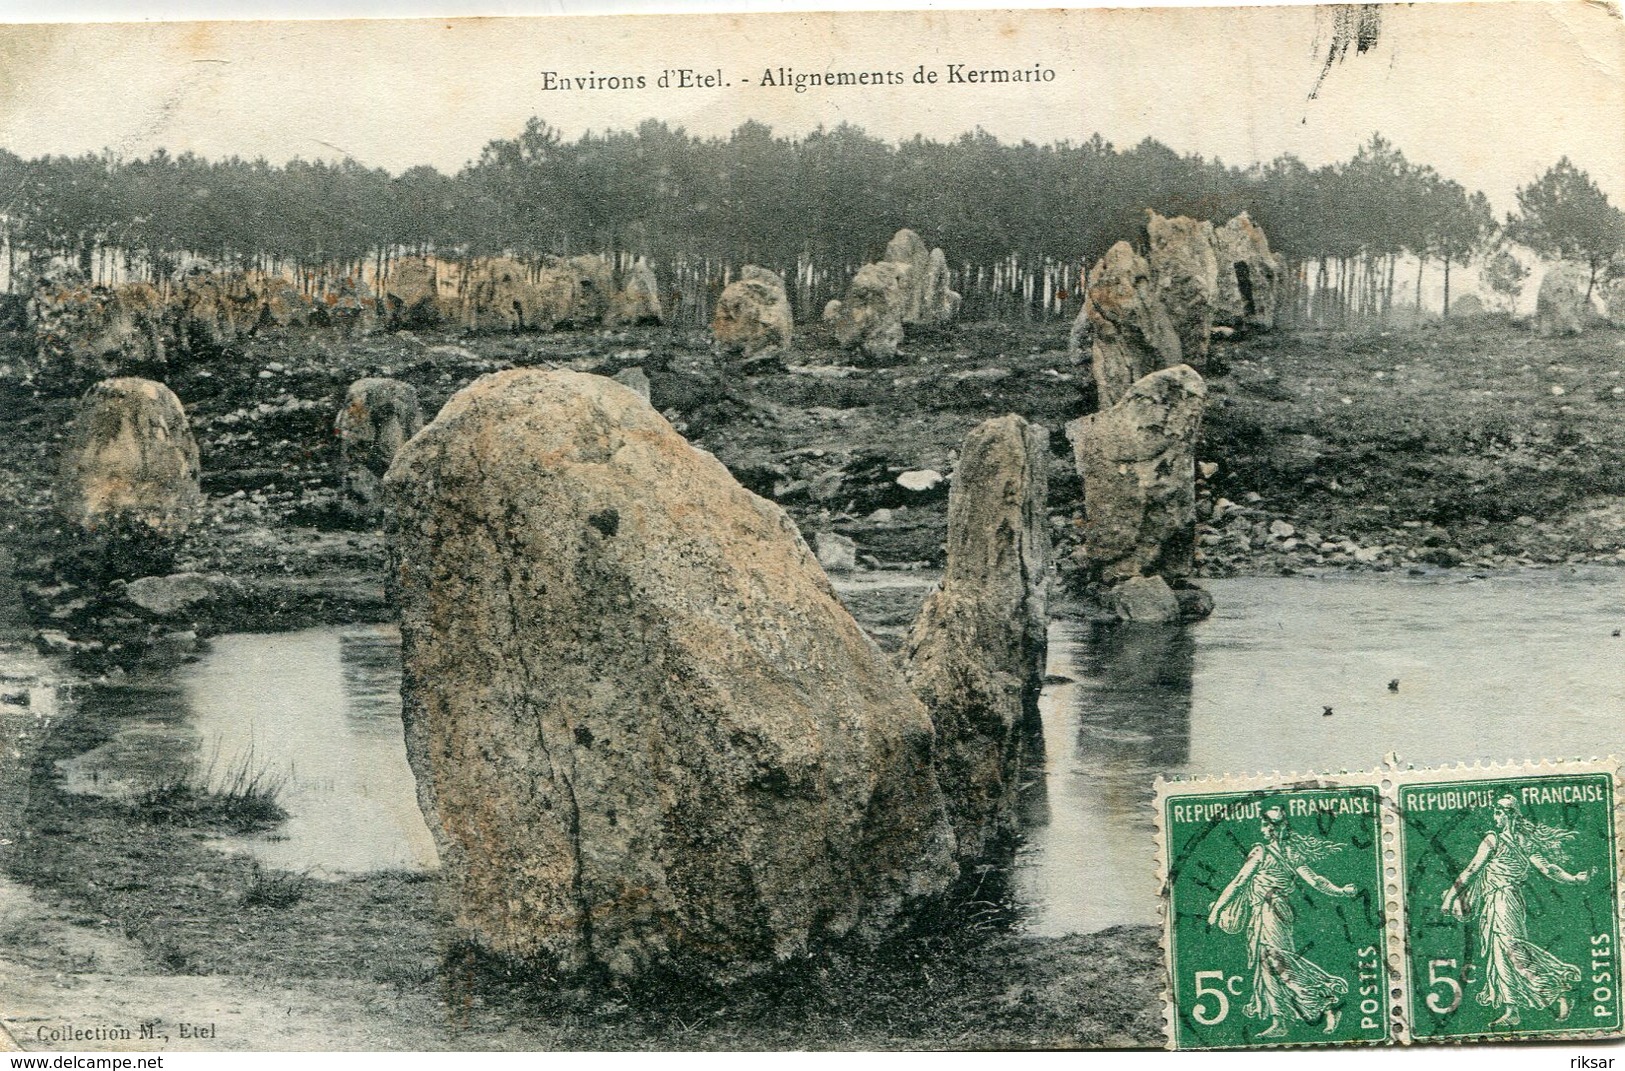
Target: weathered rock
{"type": "Point", "coordinates": [592, 287]}
{"type": "Point", "coordinates": [1126, 327]}
{"type": "Point", "coordinates": [753, 313]}
{"type": "Point", "coordinates": [178, 593]}
{"type": "Point", "coordinates": [412, 294]}
{"type": "Point", "coordinates": [644, 730]}
{"type": "Point", "coordinates": [1137, 461]}
{"type": "Point", "coordinates": [282, 305]}
{"type": "Point", "coordinates": [1560, 305]}
{"type": "Point", "coordinates": [379, 415]}
{"type": "Point", "coordinates": [638, 299]}
{"type": "Point", "coordinates": [1185, 268]}
{"type": "Point", "coordinates": [500, 295]}
{"type": "Point", "coordinates": [940, 303]}
{"type": "Point", "coordinates": [348, 304]}
{"type": "Point", "coordinates": [130, 460]}
{"type": "Point", "coordinates": [836, 553]}
{"type": "Point", "coordinates": [1613, 300]}
{"type": "Point", "coordinates": [1145, 600]}
{"type": "Point", "coordinates": [910, 249]}
{"type": "Point", "coordinates": [635, 379]}
{"type": "Point", "coordinates": [84, 332]}
{"type": "Point", "coordinates": [1249, 275]}
{"type": "Point", "coordinates": [976, 653]}
{"type": "Point", "coordinates": [870, 317]}
{"type": "Point", "coordinates": [1466, 307]}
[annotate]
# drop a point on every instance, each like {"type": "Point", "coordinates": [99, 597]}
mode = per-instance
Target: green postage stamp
{"type": "Point", "coordinates": [1397, 906]}
{"type": "Point", "coordinates": [1276, 918]}
{"type": "Point", "coordinates": [1510, 914]}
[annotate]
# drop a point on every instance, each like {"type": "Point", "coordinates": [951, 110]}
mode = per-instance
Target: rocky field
{"type": "Point", "coordinates": [1468, 445]}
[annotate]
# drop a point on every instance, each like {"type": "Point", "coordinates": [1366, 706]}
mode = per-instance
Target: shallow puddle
{"type": "Point", "coordinates": [317, 711]}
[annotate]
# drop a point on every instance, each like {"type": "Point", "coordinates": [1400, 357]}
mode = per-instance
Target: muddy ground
{"type": "Point", "coordinates": [1467, 445]}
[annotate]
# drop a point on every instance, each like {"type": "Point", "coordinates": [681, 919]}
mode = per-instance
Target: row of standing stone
{"type": "Point", "coordinates": [908, 286]}
{"type": "Point", "coordinates": [1147, 324]}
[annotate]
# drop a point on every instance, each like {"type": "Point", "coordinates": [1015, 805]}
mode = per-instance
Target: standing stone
{"type": "Point", "coordinates": [412, 293]}
{"type": "Point", "coordinates": [592, 282]}
{"type": "Point", "coordinates": [1127, 329]}
{"type": "Point", "coordinates": [1137, 460]}
{"type": "Point", "coordinates": [282, 305]}
{"type": "Point", "coordinates": [1185, 268]}
{"type": "Point", "coordinates": [645, 732]}
{"type": "Point", "coordinates": [130, 460]}
{"type": "Point", "coordinates": [86, 332]}
{"type": "Point", "coordinates": [1249, 275]}
{"type": "Point", "coordinates": [910, 249]}
{"type": "Point", "coordinates": [379, 415]}
{"type": "Point", "coordinates": [638, 299]}
{"type": "Point", "coordinates": [1560, 305]}
{"type": "Point", "coordinates": [976, 653]}
{"type": "Point", "coordinates": [870, 317]}
{"type": "Point", "coordinates": [1613, 299]}
{"type": "Point", "coordinates": [941, 303]}
{"type": "Point", "coordinates": [500, 296]}
{"type": "Point", "coordinates": [753, 313]}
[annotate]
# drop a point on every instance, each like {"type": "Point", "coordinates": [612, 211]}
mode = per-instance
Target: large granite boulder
{"type": "Point", "coordinates": [638, 299]}
{"type": "Point", "coordinates": [499, 295]}
{"type": "Point", "coordinates": [1560, 304]}
{"type": "Point", "coordinates": [753, 313]}
{"type": "Point", "coordinates": [1249, 275]}
{"type": "Point", "coordinates": [378, 416]}
{"type": "Point", "coordinates": [592, 287]}
{"type": "Point", "coordinates": [870, 316]}
{"type": "Point", "coordinates": [283, 306]}
{"type": "Point", "coordinates": [1138, 464]}
{"type": "Point", "coordinates": [349, 305]}
{"type": "Point", "coordinates": [130, 461]}
{"type": "Point", "coordinates": [1125, 326]}
{"type": "Point", "coordinates": [645, 732]}
{"type": "Point", "coordinates": [1185, 267]}
{"type": "Point", "coordinates": [976, 653]}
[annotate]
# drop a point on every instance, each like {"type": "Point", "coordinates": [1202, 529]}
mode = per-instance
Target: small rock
{"type": "Point", "coordinates": [919, 479]}
{"type": "Point", "coordinates": [1146, 600]}
{"type": "Point", "coordinates": [836, 552]}
{"type": "Point", "coordinates": [1282, 530]}
{"type": "Point", "coordinates": [1207, 469]}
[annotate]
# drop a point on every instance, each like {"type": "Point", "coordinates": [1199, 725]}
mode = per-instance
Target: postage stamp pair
{"type": "Point", "coordinates": [1397, 905]}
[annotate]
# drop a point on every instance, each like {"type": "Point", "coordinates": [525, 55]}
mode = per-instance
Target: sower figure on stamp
{"type": "Point", "coordinates": [1516, 972]}
{"type": "Point", "coordinates": [1257, 901]}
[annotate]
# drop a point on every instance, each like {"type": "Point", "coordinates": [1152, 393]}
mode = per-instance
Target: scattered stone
{"type": "Point", "coordinates": [130, 459]}
{"type": "Point", "coordinates": [836, 552]}
{"type": "Point", "coordinates": [1185, 268]}
{"type": "Point", "coordinates": [1560, 304]}
{"type": "Point", "coordinates": [753, 313]}
{"type": "Point", "coordinates": [977, 650]}
{"type": "Point", "coordinates": [379, 415]}
{"type": "Point", "coordinates": [1145, 600]}
{"type": "Point", "coordinates": [178, 593]}
{"type": "Point", "coordinates": [1126, 327]}
{"type": "Point", "coordinates": [646, 734]}
{"type": "Point", "coordinates": [1282, 530]}
{"type": "Point", "coordinates": [919, 479]}
{"type": "Point", "coordinates": [1137, 461]}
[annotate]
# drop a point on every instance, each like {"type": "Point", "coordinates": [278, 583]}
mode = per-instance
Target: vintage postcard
{"type": "Point", "coordinates": [705, 531]}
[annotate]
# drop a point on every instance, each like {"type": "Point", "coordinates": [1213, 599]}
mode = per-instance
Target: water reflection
{"type": "Point", "coordinates": [1514, 667]}
{"type": "Point", "coordinates": [318, 710]}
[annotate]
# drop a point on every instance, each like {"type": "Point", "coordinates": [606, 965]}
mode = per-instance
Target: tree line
{"type": "Point", "coordinates": [831, 197]}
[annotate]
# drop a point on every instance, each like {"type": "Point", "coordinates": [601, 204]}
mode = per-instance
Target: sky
{"type": "Point", "coordinates": [1491, 94]}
